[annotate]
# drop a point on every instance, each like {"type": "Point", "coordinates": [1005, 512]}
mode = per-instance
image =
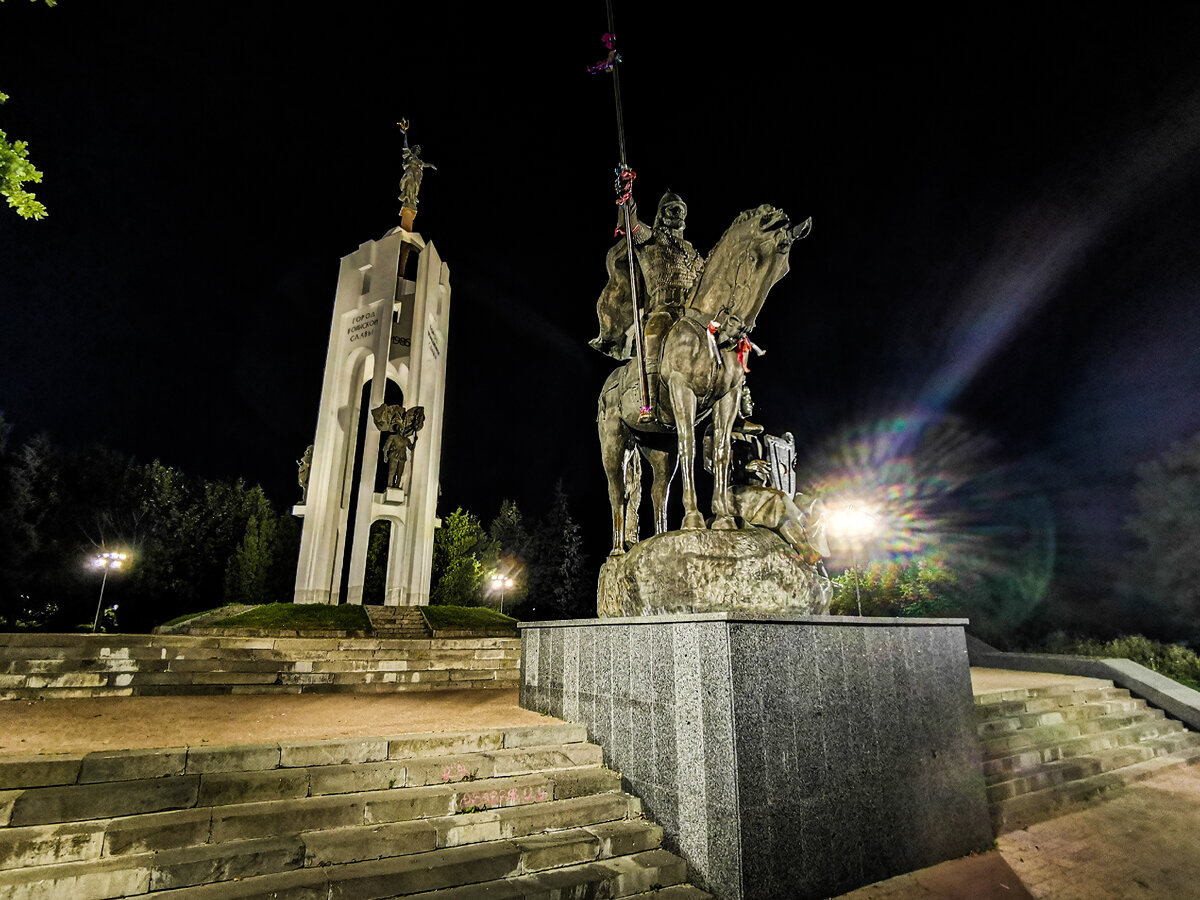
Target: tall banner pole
{"type": "Point", "coordinates": [624, 189]}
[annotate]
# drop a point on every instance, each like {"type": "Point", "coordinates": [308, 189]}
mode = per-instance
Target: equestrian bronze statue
{"type": "Point", "coordinates": [696, 343]}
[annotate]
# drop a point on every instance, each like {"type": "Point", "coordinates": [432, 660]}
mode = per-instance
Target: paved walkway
{"type": "Point", "coordinates": [1143, 842]}
{"type": "Point", "coordinates": [126, 723]}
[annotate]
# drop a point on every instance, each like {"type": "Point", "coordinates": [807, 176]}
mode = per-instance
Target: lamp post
{"type": "Point", "coordinates": [501, 584]}
{"type": "Point", "coordinates": [855, 524]}
{"type": "Point", "coordinates": [105, 561]}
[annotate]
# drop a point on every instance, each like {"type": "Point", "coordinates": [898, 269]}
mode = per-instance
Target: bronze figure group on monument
{"type": "Point", "coordinates": [686, 368]}
{"type": "Point", "coordinates": [681, 323]}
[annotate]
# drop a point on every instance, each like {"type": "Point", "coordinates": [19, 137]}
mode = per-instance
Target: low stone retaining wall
{"type": "Point", "coordinates": [46, 666]}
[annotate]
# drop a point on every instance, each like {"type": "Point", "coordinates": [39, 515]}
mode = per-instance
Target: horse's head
{"type": "Point", "coordinates": [748, 259]}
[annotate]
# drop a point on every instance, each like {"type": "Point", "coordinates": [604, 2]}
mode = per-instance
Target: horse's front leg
{"type": "Point", "coordinates": [683, 405]}
{"type": "Point", "coordinates": [613, 440]}
{"type": "Point", "coordinates": [724, 412]}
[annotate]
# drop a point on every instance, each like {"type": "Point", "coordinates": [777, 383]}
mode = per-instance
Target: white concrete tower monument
{"type": "Point", "coordinates": [385, 328]}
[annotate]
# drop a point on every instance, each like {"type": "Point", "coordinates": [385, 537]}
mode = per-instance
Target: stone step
{"type": "Point", "coordinates": [257, 661]}
{"type": "Point", "coordinates": [105, 790]}
{"type": "Point", "coordinates": [181, 826]}
{"type": "Point", "coordinates": [397, 622]}
{"type": "Point", "coordinates": [110, 799]}
{"type": "Point", "coordinates": [125, 765]}
{"type": "Point", "coordinates": [406, 687]}
{"type": "Point", "coordinates": [1076, 768]}
{"type": "Point", "coordinates": [65, 666]}
{"type": "Point", "coordinates": [1002, 767]}
{"type": "Point", "coordinates": [1017, 720]}
{"type": "Point", "coordinates": [674, 892]}
{"type": "Point", "coordinates": [1003, 703]}
{"type": "Point", "coordinates": [1038, 806]}
{"type": "Point", "coordinates": [298, 683]}
{"type": "Point", "coordinates": [401, 632]}
{"type": "Point", "coordinates": [1043, 735]}
{"type": "Point", "coordinates": [329, 833]}
{"type": "Point", "coordinates": [494, 873]}
{"type": "Point", "coordinates": [253, 858]}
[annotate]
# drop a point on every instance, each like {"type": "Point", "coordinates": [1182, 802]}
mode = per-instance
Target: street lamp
{"type": "Point", "coordinates": [105, 561]}
{"type": "Point", "coordinates": [855, 524]}
{"type": "Point", "coordinates": [501, 584]}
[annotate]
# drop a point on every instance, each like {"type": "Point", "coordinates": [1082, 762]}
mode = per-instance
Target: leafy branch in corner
{"type": "Point", "coordinates": [15, 170]}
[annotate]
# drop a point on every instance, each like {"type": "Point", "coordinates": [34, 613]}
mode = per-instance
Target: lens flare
{"type": "Point", "coordinates": [916, 489]}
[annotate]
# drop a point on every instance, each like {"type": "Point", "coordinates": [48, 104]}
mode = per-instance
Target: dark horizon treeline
{"type": "Point", "coordinates": [195, 544]}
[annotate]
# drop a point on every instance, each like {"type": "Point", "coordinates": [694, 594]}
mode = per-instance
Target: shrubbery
{"type": "Point", "coordinates": [911, 587]}
{"type": "Point", "coordinates": [1171, 660]}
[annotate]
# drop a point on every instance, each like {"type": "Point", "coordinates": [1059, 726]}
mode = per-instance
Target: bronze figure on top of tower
{"type": "Point", "coordinates": [414, 172]}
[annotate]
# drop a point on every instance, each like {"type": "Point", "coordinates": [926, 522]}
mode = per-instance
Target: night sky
{"type": "Point", "coordinates": [1004, 249]}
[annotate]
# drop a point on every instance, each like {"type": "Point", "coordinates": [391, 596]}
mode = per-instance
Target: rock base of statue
{"type": "Point", "coordinates": [749, 570]}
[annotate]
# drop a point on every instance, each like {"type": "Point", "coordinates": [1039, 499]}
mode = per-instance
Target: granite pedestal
{"type": "Point", "coordinates": [792, 757]}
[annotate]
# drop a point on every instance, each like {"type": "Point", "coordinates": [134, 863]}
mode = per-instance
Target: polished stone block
{"type": "Point", "coordinates": [784, 757]}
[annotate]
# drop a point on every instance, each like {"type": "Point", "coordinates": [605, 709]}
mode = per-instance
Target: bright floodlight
{"type": "Point", "coordinates": [853, 523]}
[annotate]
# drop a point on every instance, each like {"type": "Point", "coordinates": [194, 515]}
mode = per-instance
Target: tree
{"type": "Point", "coordinates": [375, 579]}
{"type": "Point", "coordinates": [556, 578]}
{"type": "Point", "coordinates": [907, 587]}
{"type": "Point", "coordinates": [457, 569]}
{"type": "Point", "coordinates": [190, 540]}
{"type": "Point", "coordinates": [15, 171]}
{"type": "Point", "coordinates": [248, 572]}
{"type": "Point", "coordinates": [508, 553]}
{"type": "Point", "coordinates": [1164, 573]}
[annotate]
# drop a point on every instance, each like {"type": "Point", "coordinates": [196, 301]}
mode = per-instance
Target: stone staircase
{"type": "Point", "coordinates": [403, 622]}
{"type": "Point", "coordinates": [504, 813]}
{"type": "Point", "coordinates": [54, 666]}
{"type": "Point", "coordinates": [1046, 748]}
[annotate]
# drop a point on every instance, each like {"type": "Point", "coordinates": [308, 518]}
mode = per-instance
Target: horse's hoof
{"type": "Point", "coordinates": [725, 523]}
{"type": "Point", "coordinates": [693, 521]}
{"type": "Point", "coordinates": [616, 551]}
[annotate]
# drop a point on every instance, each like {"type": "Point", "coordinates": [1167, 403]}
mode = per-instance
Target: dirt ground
{"type": "Point", "coordinates": [126, 723]}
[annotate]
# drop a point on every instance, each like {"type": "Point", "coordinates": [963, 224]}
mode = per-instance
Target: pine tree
{"type": "Point", "coordinates": [557, 577]}
{"type": "Point", "coordinates": [508, 555]}
{"type": "Point", "coordinates": [248, 572]}
{"type": "Point", "coordinates": [457, 569]}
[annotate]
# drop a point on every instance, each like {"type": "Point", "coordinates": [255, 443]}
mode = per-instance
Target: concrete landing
{"type": "Point", "coordinates": [985, 681]}
{"type": "Point", "coordinates": [129, 723]}
{"type": "Point", "coordinates": [1141, 843]}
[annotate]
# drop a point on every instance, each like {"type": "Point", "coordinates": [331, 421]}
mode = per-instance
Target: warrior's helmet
{"type": "Point", "coordinates": [670, 199]}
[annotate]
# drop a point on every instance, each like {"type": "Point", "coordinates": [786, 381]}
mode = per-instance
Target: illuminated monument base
{"type": "Point", "coordinates": [386, 330]}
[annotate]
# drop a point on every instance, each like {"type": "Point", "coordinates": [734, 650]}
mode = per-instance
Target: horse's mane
{"type": "Point", "coordinates": [742, 218]}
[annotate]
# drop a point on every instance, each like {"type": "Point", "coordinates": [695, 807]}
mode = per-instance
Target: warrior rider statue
{"type": "Point", "coordinates": [668, 269]}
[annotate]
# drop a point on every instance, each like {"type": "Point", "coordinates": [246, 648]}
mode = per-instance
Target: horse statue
{"type": "Point", "coordinates": [695, 366]}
